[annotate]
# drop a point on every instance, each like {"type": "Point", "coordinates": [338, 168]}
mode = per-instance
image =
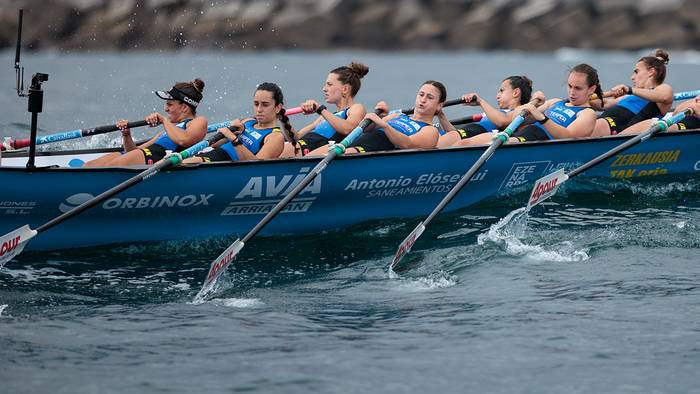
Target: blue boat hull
{"type": "Point", "coordinates": [230, 198]}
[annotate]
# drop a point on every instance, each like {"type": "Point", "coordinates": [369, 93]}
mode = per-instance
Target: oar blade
{"type": "Point", "coordinates": [406, 245]}
{"type": "Point", "coordinates": [546, 187]}
{"type": "Point", "coordinates": [218, 266]}
{"type": "Point", "coordinates": [12, 243]}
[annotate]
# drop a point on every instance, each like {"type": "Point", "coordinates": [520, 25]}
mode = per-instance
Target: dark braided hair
{"type": "Point", "coordinates": [282, 116]}
{"type": "Point", "coordinates": [351, 75]}
{"type": "Point", "coordinates": [591, 77]}
{"type": "Point", "coordinates": [658, 62]}
{"type": "Point", "coordinates": [524, 84]}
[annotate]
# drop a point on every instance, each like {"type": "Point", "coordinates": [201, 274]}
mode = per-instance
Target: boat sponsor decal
{"type": "Point", "coordinates": [524, 173]}
{"type": "Point", "coordinates": [17, 207]}
{"type": "Point", "coordinates": [642, 159]}
{"type": "Point", "coordinates": [188, 200]}
{"type": "Point", "coordinates": [261, 193]}
{"type": "Point", "coordinates": [422, 184]}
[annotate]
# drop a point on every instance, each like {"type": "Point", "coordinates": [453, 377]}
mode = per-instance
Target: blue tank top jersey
{"type": "Point", "coordinates": [252, 138]}
{"type": "Point", "coordinates": [325, 129]}
{"type": "Point", "coordinates": [560, 114]}
{"type": "Point", "coordinates": [406, 125]}
{"type": "Point", "coordinates": [167, 143]}
{"type": "Point", "coordinates": [633, 103]}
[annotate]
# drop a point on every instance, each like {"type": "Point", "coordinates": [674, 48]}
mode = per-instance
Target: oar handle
{"type": "Point", "coordinates": [447, 103]}
{"type": "Point", "coordinates": [72, 134]}
{"type": "Point", "coordinates": [464, 120]}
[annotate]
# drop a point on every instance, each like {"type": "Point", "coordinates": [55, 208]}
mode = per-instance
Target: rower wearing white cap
{"type": "Point", "coordinates": [182, 128]}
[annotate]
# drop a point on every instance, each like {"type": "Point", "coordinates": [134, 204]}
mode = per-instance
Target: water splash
{"type": "Point", "coordinates": [437, 280]}
{"type": "Point", "coordinates": [512, 228]}
{"type": "Point", "coordinates": [240, 303]}
{"type": "Point", "coordinates": [2, 308]}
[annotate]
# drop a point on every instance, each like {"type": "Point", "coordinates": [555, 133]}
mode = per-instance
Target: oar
{"type": "Point", "coordinates": [447, 103]}
{"type": "Point", "coordinates": [464, 120]}
{"type": "Point", "coordinates": [218, 266]}
{"type": "Point", "coordinates": [498, 140]}
{"type": "Point", "coordinates": [69, 135]}
{"type": "Point", "coordinates": [72, 134]}
{"type": "Point", "coordinates": [548, 185]}
{"type": "Point", "coordinates": [12, 243]}
{"type": "Point", "coordinates": [685, 95]}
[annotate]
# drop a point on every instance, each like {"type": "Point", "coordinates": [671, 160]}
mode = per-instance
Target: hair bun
{"type": "Point", "coordinates": [198, 85]}
{"type": "Point", "coordinates": [358, 68]}
{"type": "Point", "coordinates": [661, 55]}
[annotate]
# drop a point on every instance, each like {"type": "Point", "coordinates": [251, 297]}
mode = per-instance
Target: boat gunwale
{"type": "Point", "coordinates": [401, 152]}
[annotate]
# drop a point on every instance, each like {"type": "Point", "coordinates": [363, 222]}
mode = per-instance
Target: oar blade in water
{"type": "Point", "coordinates": [406, 245]}
{"type": "Point", "coordinates": [218, 266]}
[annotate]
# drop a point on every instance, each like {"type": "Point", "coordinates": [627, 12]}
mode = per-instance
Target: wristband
{"type": "Point", "coordinates": [320, 109]}
{"type": "Point", "coordinates": [236, 142]}
{"type": "Point", "coordinates": [544, 120]}
{"type": "Point", "coordinates": [629, 90]}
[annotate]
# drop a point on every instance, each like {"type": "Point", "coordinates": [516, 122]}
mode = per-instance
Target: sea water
{"type": "Point", "coordinates": [590, 292]}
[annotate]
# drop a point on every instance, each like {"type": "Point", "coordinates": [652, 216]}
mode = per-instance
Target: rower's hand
{"type": "Point", "coordinates": [237, 125]}
{"type": "Point", "coordinates": [472, 99]}
{"type": "Point", "coordinates": [154, 119]}
{"type": "Point", "coordinates": [383, 107]}
{"type": "Point", "coordinates": [310, 106]}
{"type": "Point", "coordinates": [619, 90]}
{"type": "Point", "coordinates": [372, 117]}
{"type": "Point", "coordinates": [538, 97]}
{"type": "Point", "coordinates": [535, 114]}
{"type": "Point", "coordinates": [122, 125]}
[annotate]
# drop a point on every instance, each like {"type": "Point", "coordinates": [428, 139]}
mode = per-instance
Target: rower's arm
{"type": "Point", "coordinates": [445, 123]}
{"type": "Point", "coordinates": [194, 132]}
{"type": "Point", "coordinates": [356, 113]}
{"type": "Point", "coordinates": [580, 128]}
{"type": "Point", "coordinates": [662, 94]}
{"type": "Point", "coordinates": [425, 138]}
{"type": "Point", "coordinates": [271, 149]}
{"type": "Point", "coordinates": [498, 118]}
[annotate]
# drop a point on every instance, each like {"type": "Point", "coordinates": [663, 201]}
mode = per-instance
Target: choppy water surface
{"type": "Point", "coordinates": [593, 292]}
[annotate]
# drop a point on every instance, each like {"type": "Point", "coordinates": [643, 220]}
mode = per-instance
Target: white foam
{"type": "Point", "coordinates": [509, 230]}
{"type": "Point", "coordinates": [680, 224]}
{"type": "Point", "coordinates": [438, 280]}
{"type": "Point", "coordinates": [238, 302]}
{"type": "Point", "coordinates": [181, 286]}
{"type": "Point", "coordinates": [2, 308]}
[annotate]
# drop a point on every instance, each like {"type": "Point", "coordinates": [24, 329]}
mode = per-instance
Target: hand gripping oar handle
{"type": "Point", "coordinates": [548, 184]}
{"type": "Point", "coordinates": [12, 243]}
{"type": "Point", "coordinates": [498, 140]}
{"type": "Point", "coordinates": [69, 135]}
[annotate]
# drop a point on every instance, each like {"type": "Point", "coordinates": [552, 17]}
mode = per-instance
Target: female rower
{"type": "Point", "coordinates": [648, 97]}
{"type": "Point", "coordinates": [253, 138]}
{"type": "Point", "coordinates": [182, 128]}
{"type": "Point", "coordinates": [399, 131]}
{"type": "Point", "coordinates": [514, 91]}
{"type": "Point", "coordinates": [340, 89]}
{"type": "Point", "coordinates": [688, 123]}
{"type": "Point", "coordinates": [557, 118]}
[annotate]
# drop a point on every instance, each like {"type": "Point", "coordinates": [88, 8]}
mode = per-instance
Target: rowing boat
{"type": "Point", "coordinates": [225, 199]}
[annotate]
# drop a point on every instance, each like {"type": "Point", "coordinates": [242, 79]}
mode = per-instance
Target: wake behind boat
{"type": "Point", "coordinates": [228, 198]}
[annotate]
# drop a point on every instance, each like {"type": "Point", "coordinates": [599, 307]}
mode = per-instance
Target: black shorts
{"type": "Point", "coordinates": [531, 133]}
{"type": "Point", "coordinates": [618, 118]}
{"type": "Point", "coordinates": [216, 154]}
{"type": "Point", "coordinates": [689, 123]}
{"type": "Point", "coordinates": [372, 141]}
{"type": "Point", "coordinates": [471, 130]}
{"type": "Point", "coordinates": [153, 153]}
{"type": "Point", "coordinates": [311, 141]}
